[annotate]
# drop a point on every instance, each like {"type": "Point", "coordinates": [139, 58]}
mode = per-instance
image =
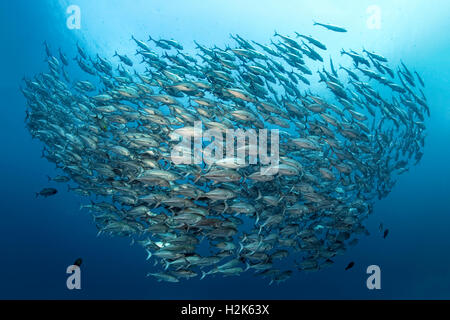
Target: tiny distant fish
{"type": "Point", "coordinates": [47, 49]}
{"type": "Point", "coordinates": [58, 179]}
{"type": "Point", "coordinates": [330, 27]}
{"type": "Point", "coordinates": [78, 262]}
{"type": "Point", "coordinates": [350, 265]}
{"type": "Point", "coordinates": [47, 192]}
{"type": "Point", "coordinates": [385, 234]}
{"type": "Point", "coordinates": [380, 227]}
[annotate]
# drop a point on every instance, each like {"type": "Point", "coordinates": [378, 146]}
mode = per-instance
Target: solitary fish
{"type": "Point", "coordinates": [47, 192]}
{"type": "Point", "coordinates": [330, 27]}
{"type": "Point", "coordinates": [78, 262]}
{"type": "Point", "coordinates": [350, 265]}
{"type": "Point", "coordinates": [385, 234]}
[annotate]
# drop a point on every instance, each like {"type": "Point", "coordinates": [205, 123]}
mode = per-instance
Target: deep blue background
{"type": "Point", "coordinates": [39, 238]}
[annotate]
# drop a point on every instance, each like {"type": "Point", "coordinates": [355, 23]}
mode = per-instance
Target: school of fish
{"type": "Point", "coordinates": [346, 134]}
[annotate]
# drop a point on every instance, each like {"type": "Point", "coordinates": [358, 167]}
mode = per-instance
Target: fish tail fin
{"type": "Point", "coordinates": [115, 54]}
{"type": "Point", "coordinates": [275, 33]}
{"type": "Point", "coordinates": [226, 207]}
{"type": "Point", "coordinates": [342, 51]}
{"type": "Point", "coordinates": [259, 195]}
{"type": "Point", "coordinates": [204, 274]}
{"type": "Point", "coordinates": [166, 265]}
{"type": "Point", "coordinates": [197, 178]}
{"type": "Point", "coordinates": [241, 247]}
{"type": "Point", "coordinates": [290, 190]}
{"type": "Point", "coordinates": [247, 266]}
{"type": "Point", "coordinates": [149, 254]}
{"type": "Point", "coordinates": [49, 178]}
{"type": "Point", "coordinates": [149, 38]}
{"type": "Point", "coordinates": [257, 218]}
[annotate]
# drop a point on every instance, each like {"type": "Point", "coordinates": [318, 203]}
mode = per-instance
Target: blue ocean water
{"type": "Point", "coordinates": [40, 237]}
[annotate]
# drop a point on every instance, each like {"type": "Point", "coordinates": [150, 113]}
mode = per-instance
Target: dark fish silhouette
{"type": "Point", "coordinates": [350, 265]}
{"type": "Point", "coordinates": [386, 232]}
{"type": "Point", "coordinates": [78, 262]}
{"type": "Point", "coordinates": [47, 192]}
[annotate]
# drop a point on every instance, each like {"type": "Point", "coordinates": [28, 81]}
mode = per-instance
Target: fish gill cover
{"type": "Point", "coordinates": [345, 135]}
